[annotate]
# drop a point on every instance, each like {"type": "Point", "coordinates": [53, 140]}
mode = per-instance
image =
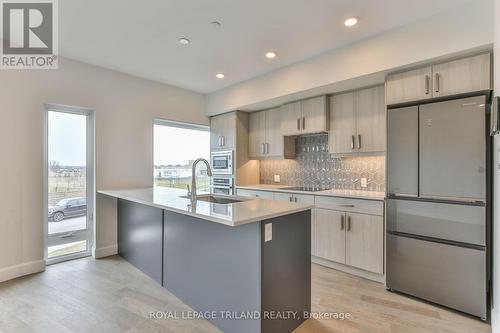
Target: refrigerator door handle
{"type": "Point", "coordinates": [453, 200]}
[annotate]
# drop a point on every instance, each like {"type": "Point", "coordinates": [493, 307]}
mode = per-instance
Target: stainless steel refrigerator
{"type": "Point", "coordinates": [437, 178]}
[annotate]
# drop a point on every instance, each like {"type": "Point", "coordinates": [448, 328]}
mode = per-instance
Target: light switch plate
{"type": "Point", "coordinates": [364, 182]}
{"type": "Point", "coordinates": [268, 232]}
{"type": "Point", "coordinates": [277, 178]}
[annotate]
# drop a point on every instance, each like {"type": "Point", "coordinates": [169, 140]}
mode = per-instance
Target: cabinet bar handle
{"type": "Point", "coordinates": [342, 222]}
{"type": "Point", "coordinates": [290, 199]}
{"type": "Point", "coordinates": [298, 124]}
{"type": "Point", "coordinates": [352, 141]}
{"type": "Point", "coordinates": [263, 149]}
{"type": "Point", "coordinates": [347, 206]}
{"type": "Point", "coordinates": [359, 141]}
{"type": "Point", "coordinates": [437, 82]}
{"type": "Point", "coordinates": [295, 199]}
{"type": "Point", "coordinates": [348, 223]}
{"type": "Point", "coordinates": [267, 148]}
{"type": "Point", "coordinates": [304, 123]}
{"type": "Point", "coordinates": [223, 141]}
{"type": "Point", "coordinates": [427, 84]}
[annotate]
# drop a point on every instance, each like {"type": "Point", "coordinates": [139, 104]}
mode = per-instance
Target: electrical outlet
{"type": "Point", "coordinates": [277, 178]}
{"type": "Point", "coordinates": [364, 182]}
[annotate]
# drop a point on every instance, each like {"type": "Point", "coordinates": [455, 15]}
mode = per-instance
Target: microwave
{"type": "Point", "coordinates": [222, 162]}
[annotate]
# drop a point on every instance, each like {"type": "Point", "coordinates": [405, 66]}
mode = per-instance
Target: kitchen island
{"type": "Point", "coordinates": [246, 265]}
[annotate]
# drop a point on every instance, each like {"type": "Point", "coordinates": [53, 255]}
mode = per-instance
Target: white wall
{"type": "Point", "coordinates": [465, 28]}
{"type": "Point", "coordinates": [124, 110]}
{"type": "Point", "coordinates": [495, 314]}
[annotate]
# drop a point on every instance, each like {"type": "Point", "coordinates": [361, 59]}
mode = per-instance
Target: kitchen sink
{"type": "Point", "coordinates": [215, 199]}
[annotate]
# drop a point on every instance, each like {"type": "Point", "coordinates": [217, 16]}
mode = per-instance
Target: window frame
{"type": "Point", "coordinates": [175, 124]}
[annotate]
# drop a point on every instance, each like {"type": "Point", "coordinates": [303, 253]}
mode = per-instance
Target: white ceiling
{"type": "Point", "coordinates": [141, 37]}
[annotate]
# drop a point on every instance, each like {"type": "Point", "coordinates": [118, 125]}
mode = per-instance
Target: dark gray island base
{"type": "Point", "coordinates": [230, 273]}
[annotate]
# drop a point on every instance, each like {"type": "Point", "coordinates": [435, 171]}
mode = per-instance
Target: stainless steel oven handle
{"type": "Point", "coordinates": [222, 186]}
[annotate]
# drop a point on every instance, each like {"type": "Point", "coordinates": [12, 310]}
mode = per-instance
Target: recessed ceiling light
{"type": "Point", "coordinates": [184, 41]}
{"type": "Point", "coordinates": [351, 21]}
{"type": "Point", "coordinates": [219, 75]}
{"type": "Point", "coordinates": [270, 55]}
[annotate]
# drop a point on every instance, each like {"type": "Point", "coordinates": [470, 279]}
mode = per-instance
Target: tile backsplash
{"type": "Point", "coordinates": [316, 167]}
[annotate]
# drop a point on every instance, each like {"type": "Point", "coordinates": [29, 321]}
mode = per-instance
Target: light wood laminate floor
{"type": "Point", "coordinates": [110, 295]}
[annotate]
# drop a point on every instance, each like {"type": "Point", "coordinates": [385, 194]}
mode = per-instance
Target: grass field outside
{"type": "Point", "coordinates": [67, 183]}
{"type": "Point", "coordinates": [202, 183]}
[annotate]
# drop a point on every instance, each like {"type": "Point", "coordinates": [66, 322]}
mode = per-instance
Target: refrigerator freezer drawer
{"type": "Point", "coordinates": [453, 222]}
{"type": "Point", "coordinates": [445, 274]}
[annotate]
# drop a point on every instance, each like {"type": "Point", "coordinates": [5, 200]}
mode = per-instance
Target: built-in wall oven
{"type": "Point", "coordinates": [222, 162]}
{"type": "Point", "coordinates": [222, 185]}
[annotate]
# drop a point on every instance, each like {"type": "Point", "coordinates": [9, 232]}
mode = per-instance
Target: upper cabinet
{"type": "Point", "coordinates": [265, 138]}
{"type": "Point", "coordinates": [370, 120]}
{"type": "Point", "coordinates": [357, 121]}
{"type": "Point", "coordinates": [450, 78]}
{"type": "Point", "coordinates": [292, 115]}
{"type": "Point", "coordinates": [305, 117]}
{"type": "Point", "coordinates": [223, 131]}
{"type": "Point", "coordinates": [409, 86]}
{"type": "Point", "coordinates": [462, 76]}
{"type": "Point", "coordinates": [257, 134]}
{"type": "Point", "coordinates": [342, 123]}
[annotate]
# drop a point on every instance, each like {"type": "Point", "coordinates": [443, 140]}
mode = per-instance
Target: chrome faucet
{"type": "Point", "coordinates": [193, 180]}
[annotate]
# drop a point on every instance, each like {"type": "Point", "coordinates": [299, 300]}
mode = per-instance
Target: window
{"type": "Point", "coordinates": [68, 182]}
{"type": "Point", "coordinates": [176, 146]}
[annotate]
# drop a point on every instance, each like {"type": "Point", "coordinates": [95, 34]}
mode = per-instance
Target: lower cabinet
{"type": "Point", "coordinates": [328, 235]}
{"type": "Point", "coordinates": [364, 242]}
{"type": "Point", "coordinates": [346, 231]}
{"type": "Point", "coordinates": [291, 197]}
{"type": "Point", "coordinates": [255, 193]}
{"type": "Point", "coordinates": [349, 238]}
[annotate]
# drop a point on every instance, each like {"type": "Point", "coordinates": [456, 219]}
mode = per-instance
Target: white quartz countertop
{"type": "Point", "coordinates": [355, 194]}
{"type": "Point", "coordinates": [234, 214]}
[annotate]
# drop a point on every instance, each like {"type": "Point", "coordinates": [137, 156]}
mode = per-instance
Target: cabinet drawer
{"type": "Point", "coordinates": [304, 198]}
{"type": "Point", "coordinates": [255, 194]}
{"type": "Point", "coordinates": [291, 197]}
{"type": "Point", "coordinates": [372, 207]}
{"type": "Point", "coordinates": [282, 196]}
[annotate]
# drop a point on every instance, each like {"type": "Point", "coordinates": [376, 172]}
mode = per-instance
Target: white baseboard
{"type": "Point", "coordinates": [380, 278]}
{"type": "Point", "coordinates": [26, 268]}
{"type": "Point", "coordinates": [106, 251]}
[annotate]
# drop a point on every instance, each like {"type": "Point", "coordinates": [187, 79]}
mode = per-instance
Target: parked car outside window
{"type": "Point", "coordinates": [69, 207]}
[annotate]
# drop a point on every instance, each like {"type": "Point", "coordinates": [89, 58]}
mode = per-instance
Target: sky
{"type": "Point", "coordinates": [174, 145]}
{"type": "Point", "coordinates": [67, 138]}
